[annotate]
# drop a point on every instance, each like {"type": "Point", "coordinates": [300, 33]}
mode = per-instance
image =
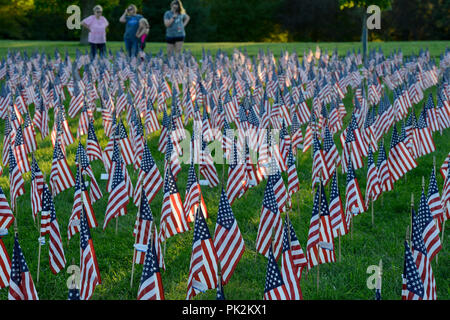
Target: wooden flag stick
{"type": "Point", "coordinates": [372, 214]}
{"type": "Point", "coordinates": [39, 261]}
{"type": "Point", "coordinates": [436, 222]}
{"type": "Point", "coordinates": [412, 207]}
{"type": "Point", "coordinates": [320, 201]}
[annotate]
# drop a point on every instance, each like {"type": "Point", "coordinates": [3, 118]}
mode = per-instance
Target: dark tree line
{"type": "Point", "coordinates": [235, 20]}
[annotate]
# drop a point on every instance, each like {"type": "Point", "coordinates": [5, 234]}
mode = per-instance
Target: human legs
{"type": "Point", "coordinates": [128, 46]}
{"type": "Point", "coordinates": [93, 50]}
{"type": "Point", "coordinates": [178, 47]}
{"type": "Point", "coordinates": [170, 49]}
{"type": "Point", "coordinates": [102, 49]}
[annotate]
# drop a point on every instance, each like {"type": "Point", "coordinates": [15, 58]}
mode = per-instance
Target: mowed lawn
{"type": "Point", "coordinates": [344, 279]}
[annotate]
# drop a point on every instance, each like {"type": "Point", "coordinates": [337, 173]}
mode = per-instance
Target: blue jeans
{"type": "Point", "coordinates": [101, 48]}
{"type": "Point", "coordinates": [132, 46]}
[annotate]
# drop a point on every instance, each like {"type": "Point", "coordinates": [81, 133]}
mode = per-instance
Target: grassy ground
{"type": "Point", "coordinates": [408, 48]}
{"type": "Point", "coordinates": [341, 280]}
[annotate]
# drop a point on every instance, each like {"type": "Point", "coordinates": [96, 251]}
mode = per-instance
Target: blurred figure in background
{"type": "Point", "coordinates": [96, 25]}
{"type": "Point", "coordinates": [175, 21]}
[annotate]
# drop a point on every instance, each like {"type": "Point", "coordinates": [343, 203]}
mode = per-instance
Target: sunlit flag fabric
{"type": "Point", "coordinates": [270, 224]}
{"type": "Point", "coordinates": [149, 178]}
{"type": "Point", "coordinates": [204, 261]}
{"type": "Point", "coordinates": [49, 225]}
{"type": "Point", "coordinates": [423, 263]}
{"type": "Point", "coordinates": [5, 266]}
{"type": "Point", "coordinates": [400, 160]}
{"type": "Point", "coordinates": [236, 176]}
{"type": "Point", "coordinates": [6, 215]}
{"type": "Point", "coordinates": [446, 195]}
{"type": "Point", "coordinates": [173, 218]}
{"type": "Point", "coordinates": [125, 144]}
{"type": "Point", "coordinates": [279, 188]}
{"type": "Point", "coordinates": [16, 182]}
{"type": "Point", "coordinates": [434, 200]}
{"type": "Point", "coordinates": [151, 287]}
{"type": "Point", "coordinates": [61, 177]}
{"type": "Point", "coordinates": [354, 203]}
{"type": "Point", "coordinates": [37, 184]}
{"type": "Point", "coordinates": [89, 272]}
{"type": "Point", "coordinates": [331, 153]}
{"type": "Point", "coordinates": [293, 183]}
{"type": "Point", "coordinates": [275, 288]}
{"type": "Point", "coordinates": [207, 168]}
{"type": "Point", "coordinates": [373, 190]}
{"type": "Point", "coordinates": [21, 285]}
{"type": "Point", "coordinates": [428, 227]}
{"type": "Point", "coordinates": [20, 152]}
{"type": "Point", "coordinates": [337, 215]}
{"type": "Point", "coordinates": [384, 175]}
{"type": "Point", "coordinates": [193, 196]}
{"type": "Point", "coordinates": [228, 240]}
{"type": "Point", "coordinates": [29, 134]}
{"type": "Point", "coordinates": [82, 160]}
{"type": "Point", "coordinates": [412, 286]}
{"type": "Point", "coordinates": [319, 169]}
{"type": "Point", "coordinates": [326, 243]}
{"type": "Point", "coordinates": [289, 271]}
{"type": "Point", "coordinates": [93, 149]}
{"type": "Point", "coordinates": [118, 197]}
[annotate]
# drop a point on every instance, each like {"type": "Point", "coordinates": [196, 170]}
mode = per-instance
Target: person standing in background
{"type": "Point", "coordinates": [96, 25]}
{"type": "Point", "coordinates": [175, 21]}
{"type": "Point", "coordinates": [131, 18]}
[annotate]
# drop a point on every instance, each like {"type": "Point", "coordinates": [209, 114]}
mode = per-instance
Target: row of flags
{"type": "Point", "coordinates": [263, 100]}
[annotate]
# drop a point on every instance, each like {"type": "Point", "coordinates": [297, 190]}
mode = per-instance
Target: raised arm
{"type": "Point", "coordinates": [168, 22]}
{"type": "Point", "coordinates": [123, 18]}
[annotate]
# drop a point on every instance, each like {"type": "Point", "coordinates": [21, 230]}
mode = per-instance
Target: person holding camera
{"type": "Point", "coordinates": [175, 21]}
{"type": "Point", "coordinates": [131, 18]}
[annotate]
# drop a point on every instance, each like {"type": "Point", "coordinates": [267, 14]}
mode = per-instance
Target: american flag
{"type": "Point", "coordinates": [125, 144]}
{"type": "Point", "coordinates": [420, 256]}
{"type": "Point", "coordinates": [326, 244]}
{"type": "Point", "coordinates": [7, 140]}
{"type": "Point", "coordinates": [76, 102]}
{"type": "Point", "coordinates": [270, 224]}
{"type": "Point", "coordinates": [193, 196]}
{"type": "Point", "coordinates": [142, 229]}
{"type": "Point", "coordinates": [412, 285]}
{"type": "Point", "coordinates": [21, 285]}
{"type": "Point", "coordinates": [331, 154]}
{"type": "Point", "coordinates": [151, 287]}
{"type": "Point", "coordinates": [228, 240]}
{"type": "Point", "coordinates": [428, 228]}
{"type": "Point", "coordinates": [236, 176]}
{"type": "Point", "coordinates": [89, 272]}
{"type": "Point", "coordinates": [16, 182]}
{"type": "Point", "coordinates": [20, 152]}
{"type": "Point", "coordinates": [171, 157]}
{"type": "Point", "coordinates": [354, 203]}
{"type": "Point", "coordinates": [83, 123]}
{"type": "Point", "coordinates": [446, 195]}
{"type": "Point", "coordinates": [279, 188]}
{"type": "Point", "coordinates": [426, 143]}
{"type": "Point", "coordinates": [151, 119]}
{"type": "Point", "coordinates": [173, 218]}
{"type": "Point", "coordinates": [149, 178]}
{"type": "Point", "coordinates": [400, 160]}
{"type": "Point", "coordinates": [434, 200]}
{"type": "Point", "coordinates": [81, 158]}
{"type": "Point", "coordinates": [74, 293]}
{"type": "Point", "coordinates": [220, 295]}
{"type": "Point", "coordinates": [29, 134]}
{"type": "Point", "coordinates": [207, 168]}
{"type": "Point", "coordinates": [289, 269]}
{"type": "Point", "coordinates": [204, 261]}
{"type": "Point", "coordinates": [373, 189]}
{"type": "Point", "coordinates": [118, 197]}
{"type": "Point", "coordinates": [275, 288]}
{"type": "Point", "coordinates": [6, 215]}
{"type": "Point", "coordinates": [337, 215]}
{"type": "Point", "coordinates": [5, 266]}
{"type": "Point", "coordinates": [384, 175]}
{"type": "Point", "coordinates": [61, 177]}
{"type": "Point", "coordinates": [50, 226]}
{"type": "Point", "coordinates": [319, 167]}
{"type": "Point", "coordinates": [293, 183]}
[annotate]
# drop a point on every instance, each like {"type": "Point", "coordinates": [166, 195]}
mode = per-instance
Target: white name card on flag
{"type": "Point", "coordinates": [197, 285]}
{"type": "Point", "coordinates": [41, 240]}
{"type": "Point", "coordinates": [204, 182]}
{"type": "Point", "coordinates": [140, 247]}
{"type": "Point", "coordinates": [3, 232]}
{"type": "Point", "coordinates": [86, 183]}
{"type": "Point", "coordinates": [75, 223]}
{"type": "Point", "coordinates": [104, 176]}
{"type": "Point", "coordinates": [326, 245]}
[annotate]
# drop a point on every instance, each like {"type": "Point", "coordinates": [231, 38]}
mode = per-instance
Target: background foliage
{"type": "Point", "coordinates": [237, 20]}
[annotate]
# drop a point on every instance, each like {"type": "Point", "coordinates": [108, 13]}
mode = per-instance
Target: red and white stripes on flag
{"type": "Point", "coordinates": [434, 200]}
{"type": "Point", "coordinates": [16, 183]}
{"type": "Point", "coordinates": [400, 160]}
{"type": "Point", "coordinates": [204, 262]}
{"type": "Point", "coordinates": [21, 285]}
{"type": "Point", "coordinates": [275, 288]}
{"type": "Point", "coordinates": [228, 240]}
{"type": "Point", "coordinates": [5, 266]}
{"type": "Point", "coordinates": [61, 177]}
{"type": "Point", "coordinates": [428, 227]}
{"type": "Point", "coordinates": [354, 203]}
{"type": "Point", "coordinates": [373, 189]}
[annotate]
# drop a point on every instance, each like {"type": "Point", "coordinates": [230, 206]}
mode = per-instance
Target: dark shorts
{"type": "Point", "coordinates": [172, 40]}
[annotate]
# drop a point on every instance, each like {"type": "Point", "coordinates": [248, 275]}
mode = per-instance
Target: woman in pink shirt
{"type": "Point", "coordinates": [96, 24]}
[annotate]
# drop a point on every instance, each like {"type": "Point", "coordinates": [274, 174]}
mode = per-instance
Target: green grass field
{"type": "Point", "coordinates": [345, 279]}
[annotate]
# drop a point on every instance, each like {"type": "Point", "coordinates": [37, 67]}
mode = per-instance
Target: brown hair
{"type": "Point", "coordinates": [180, 6]}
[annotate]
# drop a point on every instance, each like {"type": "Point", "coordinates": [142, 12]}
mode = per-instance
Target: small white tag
{"type": "Point", "coordinates": [41, 240]}
{"type": "Point", "coordinates": [140, 247]}
{"type": "Point", "coordinates": [99, 109]}
{"type": "Point", "coordinates": [204, 182]}
{"type": "Point", "coordinates": [197, 285]}
{"type": "Point", "coordinates": [326, 245]}
{"type": "Point", "coordinates": [355, 211]}
{"type": "Point", "coordinates": [86, 183]}
{"type": "Point", "coordinates": [75, 223]}
{"type": "Point", "coordinates": [3, 232]}
{"type": "Point", "coordinates": [104, 176]}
